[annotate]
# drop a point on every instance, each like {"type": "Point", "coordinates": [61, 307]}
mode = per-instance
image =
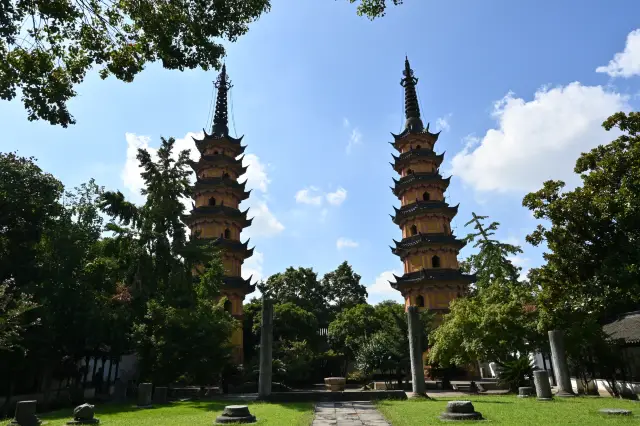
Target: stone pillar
{"type": "Point", "coordinates": [415, 350]}
{"type": "Point", "coordinates": [266, 349]}
{"type": "Point", "coordinates": [26, 414]}
{"type": "Point", "coordinates": [144, 395]}
{"type": "Point", "coordinates": [541, 382]}
{"type": "Point", "coordinates": [559, 360]}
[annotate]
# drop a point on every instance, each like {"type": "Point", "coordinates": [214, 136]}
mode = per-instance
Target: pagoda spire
{"type": "Point", "coordinates": [221, 117]}
{"type": "Point", "coordinates": [411, 107]}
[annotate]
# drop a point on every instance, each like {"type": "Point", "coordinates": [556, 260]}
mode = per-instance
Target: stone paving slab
{"type": "Point", "coordinates": [347, 414]}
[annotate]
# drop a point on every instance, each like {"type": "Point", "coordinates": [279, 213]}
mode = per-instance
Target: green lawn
{"type": "Point", "coordinates": [188, 414]}
{"type": "Point", "coordinates": [511, 410]}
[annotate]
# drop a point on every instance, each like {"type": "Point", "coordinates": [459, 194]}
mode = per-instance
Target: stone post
{"type": "Point", "coordinates": [26, 414]}
{"type": "Point", "coordinates": [541, 382]}
{"type": "Point", "coordinates": [266, 349]}
{"type": "Point", "coordinates": [415, 351]}
{"type": "Point", "coordinates": [144, 395]}
{"type": "Point", "coordinates": [559, 360]}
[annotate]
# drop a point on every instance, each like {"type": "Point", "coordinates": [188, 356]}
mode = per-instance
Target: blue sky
{"type": "Point", "coordinates": [518, 90]}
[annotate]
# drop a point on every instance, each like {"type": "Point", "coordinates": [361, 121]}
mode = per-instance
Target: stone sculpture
{"type": "Point", "coordinates": [26, 414]}
{"type": "Point", "coordinates": [460, 410]}
{"type": "Point", "coordinates": [236, 414]}
{"type": "Point", "coordinates": [84, 415]}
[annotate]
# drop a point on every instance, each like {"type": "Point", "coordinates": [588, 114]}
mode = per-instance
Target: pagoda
{"type": "Point", "coordinates": [216, 197]}
{"type": "Point", "coordinates": [428, 249]}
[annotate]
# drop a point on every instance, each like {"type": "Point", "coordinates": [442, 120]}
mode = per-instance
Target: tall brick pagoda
{"type": "Point", "coordinates": [217, 195]}
{"type": "Point", "coordinates": [428, 249]}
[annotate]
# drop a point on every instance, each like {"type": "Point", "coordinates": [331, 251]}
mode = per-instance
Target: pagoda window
{"type": "Point", "coordinates": [215, 152]}
{"type": "Point", "coordinates": [409, 171]}
{"type": "Point", "coordinates": [420, 301]}
{"type": "Point", "coordinates": [227, 233]}
{"type": "Point", "coordinates": [212, 201]}
{"type": "Point", "coordinates": [225, 175]}
{"type": "Point", "coordinates": [435, 261]}
{"type": "Point", "coordinates": [425, 196]}
{"type": "Point", "coordinates": [227, 306]}
{"type": "Point", "coordinates": [418, 147]}
{"type": "Point", "coordinates": [414, 230]}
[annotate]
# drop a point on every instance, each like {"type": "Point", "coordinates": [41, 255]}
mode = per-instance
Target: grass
{"type": "Point", "coordinates": [188, 414]}
{"type": "Point", "coordinates": [511, 410]}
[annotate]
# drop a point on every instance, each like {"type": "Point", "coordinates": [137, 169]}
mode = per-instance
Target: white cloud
{"type": "Point", "coordinates": [264, 224]}
{"type": "Point", "coordinates": [381, 289]}
{"type": "Point", "coordinates": [252, 267]}
{"type": "Point", "coordinates": [309, 196]}
{"type": "Point", "coordinates": [256, 176]}
{"type": "Point", "coordinates": [537, 140]}
{"type": "Point", "coordinates": [442, 123]}
{"type": "Point", "coordinates": [337, 197]}
{"type": "Point", "coordinates": [355, 136]}
{"type": "Point", "coordinates": [625, 63]}
{"type": "Point", "coordinates": [346, 243]}
{"type": "Point", "coordinates": [314, 197]}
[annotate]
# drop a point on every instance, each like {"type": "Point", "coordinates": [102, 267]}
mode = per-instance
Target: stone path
{"type": "Point", "coordinates": [347, 414]}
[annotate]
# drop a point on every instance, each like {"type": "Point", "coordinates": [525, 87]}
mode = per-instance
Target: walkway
{"type": "Point", "coordinates": [347, 414]}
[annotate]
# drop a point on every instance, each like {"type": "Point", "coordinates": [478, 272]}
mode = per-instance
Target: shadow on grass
{"type": "Point", "coordinates": [218, 405]}
{"type": "Point", "coordinates": [104, 408]}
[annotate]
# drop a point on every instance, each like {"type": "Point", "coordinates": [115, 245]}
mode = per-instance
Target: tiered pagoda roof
{"type": "Point", "coordinates": [219, 160]}
{"type": "Point", "coordinates": [220, 212]}
{"type": "Point", "coordinates": [404, 246]}
{"type": "Point", "coordinates": [209, 184]}
{"type": "Point", "coordinates": [404, 159]}
{"type": "Point", "coordinates": [409, 181]}
{"type": "Point", "coordinates": [439, 274]}
{"type": "Point", "coordinates": [415, 144]}
{"type": "Point", "coordinates": [422, 207]}
{"type": "Point", "coordinates": [218, 150]}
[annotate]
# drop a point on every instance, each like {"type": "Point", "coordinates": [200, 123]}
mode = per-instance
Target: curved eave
{"type": "Point", "coordinates": [215, 160]}
{"type": "Point", "coordinates": [403, 160]}
{"type": "Point", "coordinates": [235, 247]}
{"type": "Point", "coordinates": [219, 211]}
{"type": "Point", "coordinates": [210, 138]}
{"type": "Point", "coordinates": [420, 207]}
{"type": "Point", "coordinates": [424, 276]}
{"type": "Point", "coordinates": [403, 184]}
{"type": "Point", "coordinates": [419, 241]}
{"type": "Point", "coordinates": [238, 283]}
{"type": "Point", "coordinates": [407, 132]}
{"type": "Point", "coordinates": [213, 183]}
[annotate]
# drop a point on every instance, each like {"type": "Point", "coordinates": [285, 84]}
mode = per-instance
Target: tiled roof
{"type": "Point", "coordinates": [626, 328]}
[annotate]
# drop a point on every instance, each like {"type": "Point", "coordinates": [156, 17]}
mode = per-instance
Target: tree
{"type": "Point", "coordinates": [46, 48]}
{"type": "Point", "coordinates": [391, 342]}
{"type": "Point", "coordinates": [591, 273]}
{"type": "Point", "coordinates": [175, 316]}
{"type": "Point", "coordinates": [351, 327]}
{"type": "Point", "coordinates": [374, 8]}
{"type": "Point", "coordinates": [29, 205]}
{"type": "Point", "coordinates": [343, 289]}
{"type": "Point", "coordinates": [300, 287]}
{"type": "Point", "coordinates": [11, 318]}
{"type": "Point", "coordinates": [495, 321]}
{"type": "Point", "coordinates": [592, 261]}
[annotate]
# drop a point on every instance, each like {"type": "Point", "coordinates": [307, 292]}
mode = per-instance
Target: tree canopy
{"type": "Point", "coordinates": [496, 321]}
{"type": "Point", "coordinates": [592, 233]}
